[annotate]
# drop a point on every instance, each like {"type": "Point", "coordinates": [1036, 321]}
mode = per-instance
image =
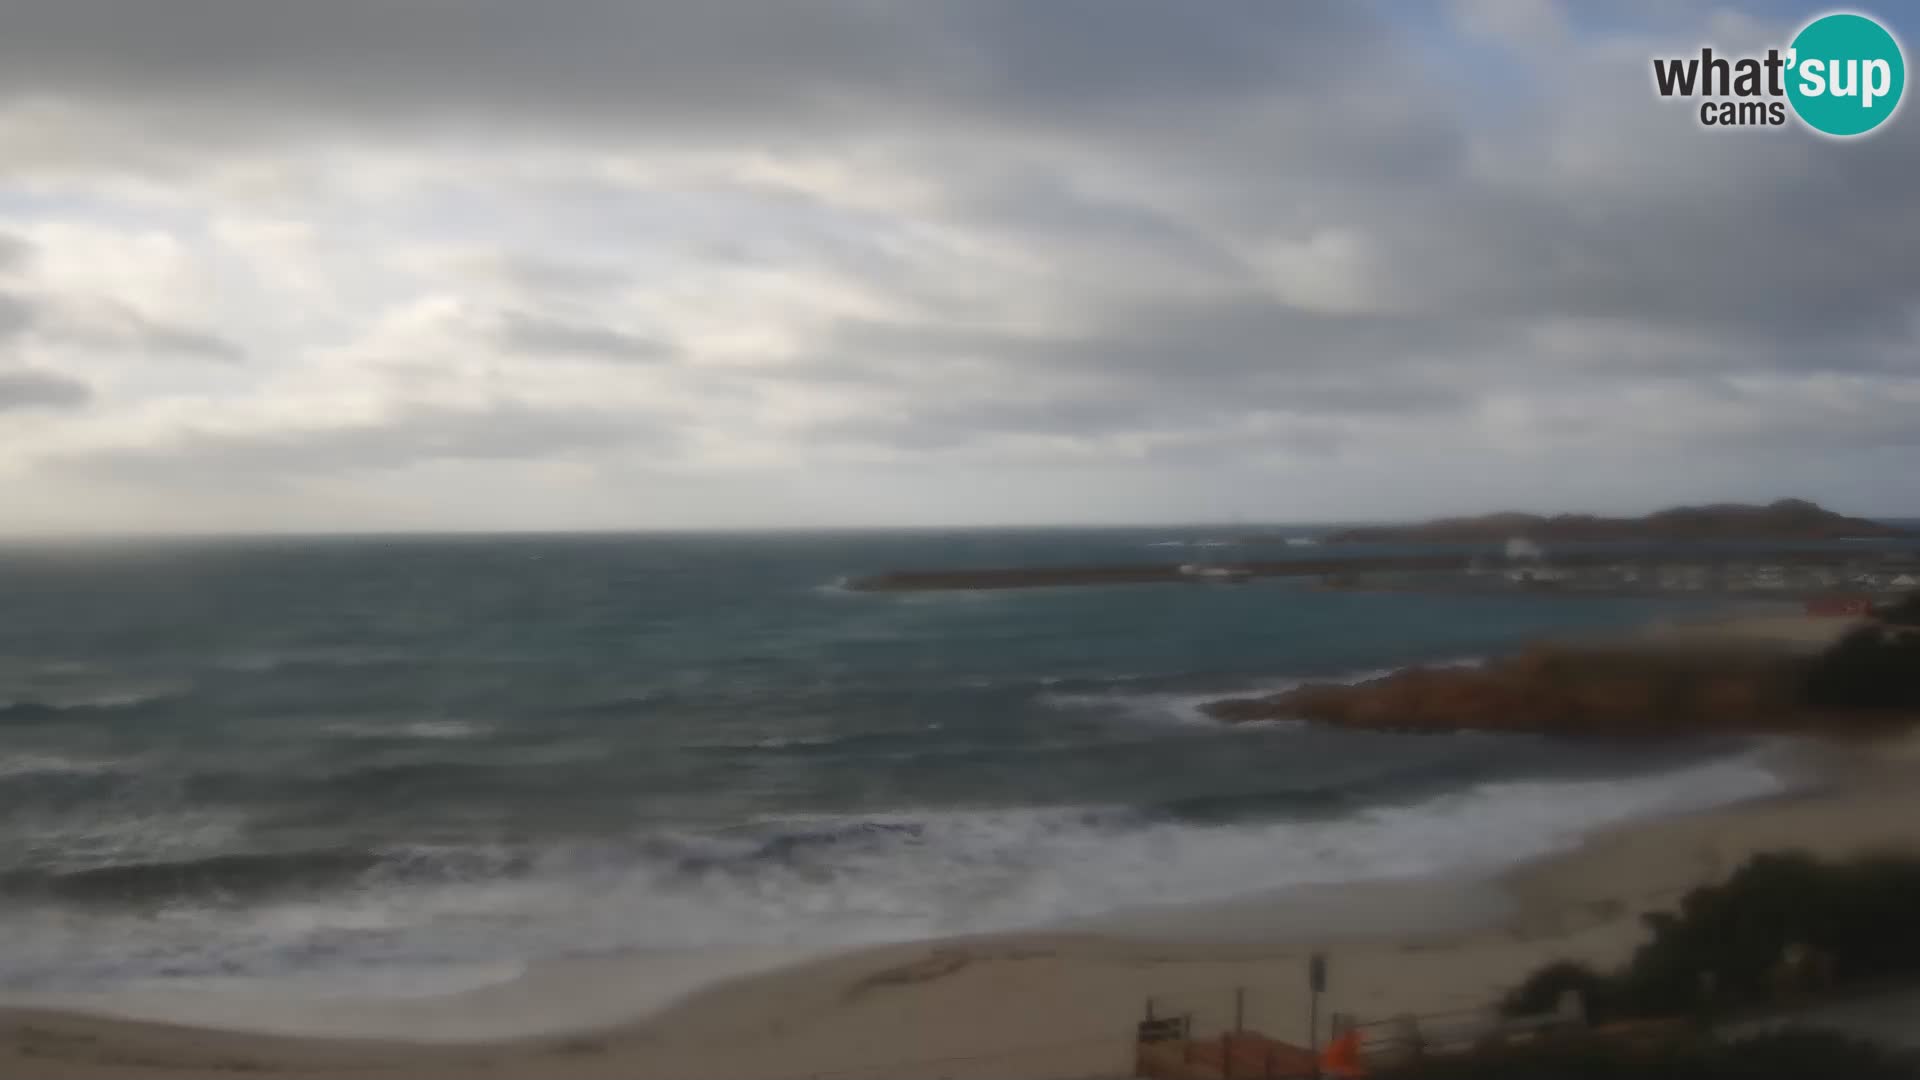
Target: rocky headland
{"type": "Point", "coordinates": [1782, 520]}
{"type": "Point", "coordinates": [1865, 682]}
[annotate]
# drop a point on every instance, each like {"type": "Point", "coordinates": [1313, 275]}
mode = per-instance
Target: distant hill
{"type": "Point", "coordinates": [1787, 519]}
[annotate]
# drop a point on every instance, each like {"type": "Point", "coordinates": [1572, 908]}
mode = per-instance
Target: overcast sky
{"type": "Point", "coordinates": [494, 264]}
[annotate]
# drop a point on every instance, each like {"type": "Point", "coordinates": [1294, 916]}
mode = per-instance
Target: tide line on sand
{"type": "Point", "coordinates": [1059, 1003]}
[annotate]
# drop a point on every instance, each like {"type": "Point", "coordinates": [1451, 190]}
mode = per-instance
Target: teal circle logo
{"type": "Point", "coordinates": [1845, 74]}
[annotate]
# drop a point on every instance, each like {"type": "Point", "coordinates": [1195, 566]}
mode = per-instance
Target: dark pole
{"type": "Point", "coordinates": [1239, 1009]}
{"type": "Point", "coordinates": [1316, 982]}
{"type": "Point", "coordinates": [1313, 1031]}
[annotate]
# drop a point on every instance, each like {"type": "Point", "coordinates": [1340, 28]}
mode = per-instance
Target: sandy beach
{"type": "Point", "coordinates": [1059, 1003]}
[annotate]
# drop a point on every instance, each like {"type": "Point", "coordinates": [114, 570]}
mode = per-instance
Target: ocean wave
{"type": "Point", "coordinates": [103, 836]}
{"type": "Point", "coordinates": [913, 741]}
{"type": "Point", "coordinates": [1188, 707]}
{"type": "Point", "coordinates": [424, 730]}
{"type": "Point", "coordinates": [1153, 707]}
{"type": "Point", "coordinates": [271, 661]}
{"type": "Point", "coordinates": [787, 742]}
{"type": "Point", "coordinates": [38, 765]}
{"type": "Point", "coordinates": [818, 880]}
{"type": "Point", "coordinates": [41, 707]}
{"type": "Point", "coordinates": [213, 877]}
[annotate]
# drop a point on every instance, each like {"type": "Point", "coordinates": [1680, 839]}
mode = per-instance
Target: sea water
{"type": "Point", "coordinates": [408, 766]}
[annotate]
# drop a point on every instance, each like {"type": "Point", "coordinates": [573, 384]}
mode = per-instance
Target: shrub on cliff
{"type": "Point", "coordinates": [1785, 1055]}
{"type": "Point", "coordinates": [1542, 990]}
{"type": "Point", "coordinates": [1902, 612]}
{"type": "Point", "coordinates": [1870, 668]}
{"type": "Point", "coordinates": [1851, 922]}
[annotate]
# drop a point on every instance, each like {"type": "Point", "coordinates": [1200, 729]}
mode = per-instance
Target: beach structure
{"type": "Point", "coordinates": [1174, 1047]}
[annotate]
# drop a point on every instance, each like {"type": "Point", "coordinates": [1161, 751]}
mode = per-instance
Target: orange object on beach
{"type": "Point", "coordinates": [1342, 1056]}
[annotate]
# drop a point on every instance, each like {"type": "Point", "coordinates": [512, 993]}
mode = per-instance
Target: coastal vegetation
{"type": "Point", "coordinates": [1783, 519]}
{"type": "Point", "coordinates": [1902, 612]}
{"type": "Point", "coordinates": [1874, 668]}
{"type": "Point", "coordinates": [1786, 1055]}
{"type": "Point", "coordinates": [1866, 682]}
{"type": "Point", "coordinates": [1781, 927]}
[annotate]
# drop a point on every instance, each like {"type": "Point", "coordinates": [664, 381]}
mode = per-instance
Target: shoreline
{"type": "Point", "coordinates": [1060, 1002]}
{"type": "Point", "coordinates": [1458, 568]}
{"type": "Point", "coordinates": [1050, 1002]}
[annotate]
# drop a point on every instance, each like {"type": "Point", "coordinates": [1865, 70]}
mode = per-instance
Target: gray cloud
{"type": "Point", "coordinates": [566, 277]}
{"type": "Point", "coordinates": [1210, 347]}
{"type": "Point", "coordinates": [14, 252]}
{"type": "Point", "coordinates": [16, 315]}
{"type": "Point", "coordinates": [523, 333]}
{"type": "Point", "coordinates": [157, 337]}
{"type": "Point", "coordinates": [1246, 228]}
{"type": "Point", "coordinates": [111, 326]}
{"type": "Point", "coordinates": [684, 66]}
{"type": "Point", "coordinates": [22, 390]}
{"type": "Point", "coordinates": [503, 432]}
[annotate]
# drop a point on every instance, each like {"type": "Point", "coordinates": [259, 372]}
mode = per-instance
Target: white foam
{"type": "Point", "coordinates": [111, 697]}
{"type": "Point", "coordinates": [833, 880]}
{"type": "Point", "coordinates": [35, 764]}
{"type": "Point", "coordinates": [1189, 707]}
{"type": "Point", "coordinates": [106, 836]}
{"type": "Point", "coordinates": [454, 1003]}
{"type": "Point", "coordinates": [255, 662]}
{"type": "Point", "coordinates": [430, 730]}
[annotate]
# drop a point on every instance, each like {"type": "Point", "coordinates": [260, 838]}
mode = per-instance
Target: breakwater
{"type": "Point", "coordinates": [1031, 577]}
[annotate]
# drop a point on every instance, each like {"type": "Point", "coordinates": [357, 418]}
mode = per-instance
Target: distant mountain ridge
{"type": "Point", "coordinates": [1784, 519]}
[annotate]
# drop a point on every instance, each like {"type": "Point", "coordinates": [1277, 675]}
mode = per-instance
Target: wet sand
{"type": "Point", "coordinates": [1040, 1004]}
{"type": "Point", "coordinates": [1056, 1004]}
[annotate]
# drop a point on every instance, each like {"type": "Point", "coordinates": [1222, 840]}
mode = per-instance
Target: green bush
{"type": "Point", "coordinates": [1870, 668]}
{"type": "Point", "coordinates": [1902, 612]}
{"type": "Point", "coordinates": [1787, 1055]}
{"type": "Point", "coordinates": [1863, 915]}
{"type": "Point", "coordinates": [1541, 992]}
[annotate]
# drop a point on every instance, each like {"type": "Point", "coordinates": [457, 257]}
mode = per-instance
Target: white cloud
{"type": "Point", "coordinates": [983, 270]}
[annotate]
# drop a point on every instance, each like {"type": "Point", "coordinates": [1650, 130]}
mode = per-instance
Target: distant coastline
{"type": "Point", "coordinates": [1743, 674]}
{"type": "Point", "coordinates": [1781, 520]}
{"type": "Point", "coordinates": [1785, 524]}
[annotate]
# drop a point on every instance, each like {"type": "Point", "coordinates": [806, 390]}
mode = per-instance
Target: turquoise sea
{"type": "Point", "coordinates": [395, 765]}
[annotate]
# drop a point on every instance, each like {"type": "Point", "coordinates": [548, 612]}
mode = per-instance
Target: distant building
{"type": "Point", "coordinates": [1204, 572]}
{"type": "Point", "coordinates": [1520, 549]}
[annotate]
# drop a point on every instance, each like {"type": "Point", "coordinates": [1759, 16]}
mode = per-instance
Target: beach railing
{"type": "Point", "coordinates": [1411, 1036]}
{"type": "Point", "coordinates": [1217, 1035]}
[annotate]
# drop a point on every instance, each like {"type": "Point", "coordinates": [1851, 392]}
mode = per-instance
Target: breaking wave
{"type": "Point", "coordinates": [813, 880]}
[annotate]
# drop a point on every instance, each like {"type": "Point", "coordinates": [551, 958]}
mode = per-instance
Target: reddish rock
{"type": "Point", "coordinates": [1558, 690]}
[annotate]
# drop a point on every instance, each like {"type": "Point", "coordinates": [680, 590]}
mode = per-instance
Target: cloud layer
{"type": "Point", "coordinates": [420, 264]}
